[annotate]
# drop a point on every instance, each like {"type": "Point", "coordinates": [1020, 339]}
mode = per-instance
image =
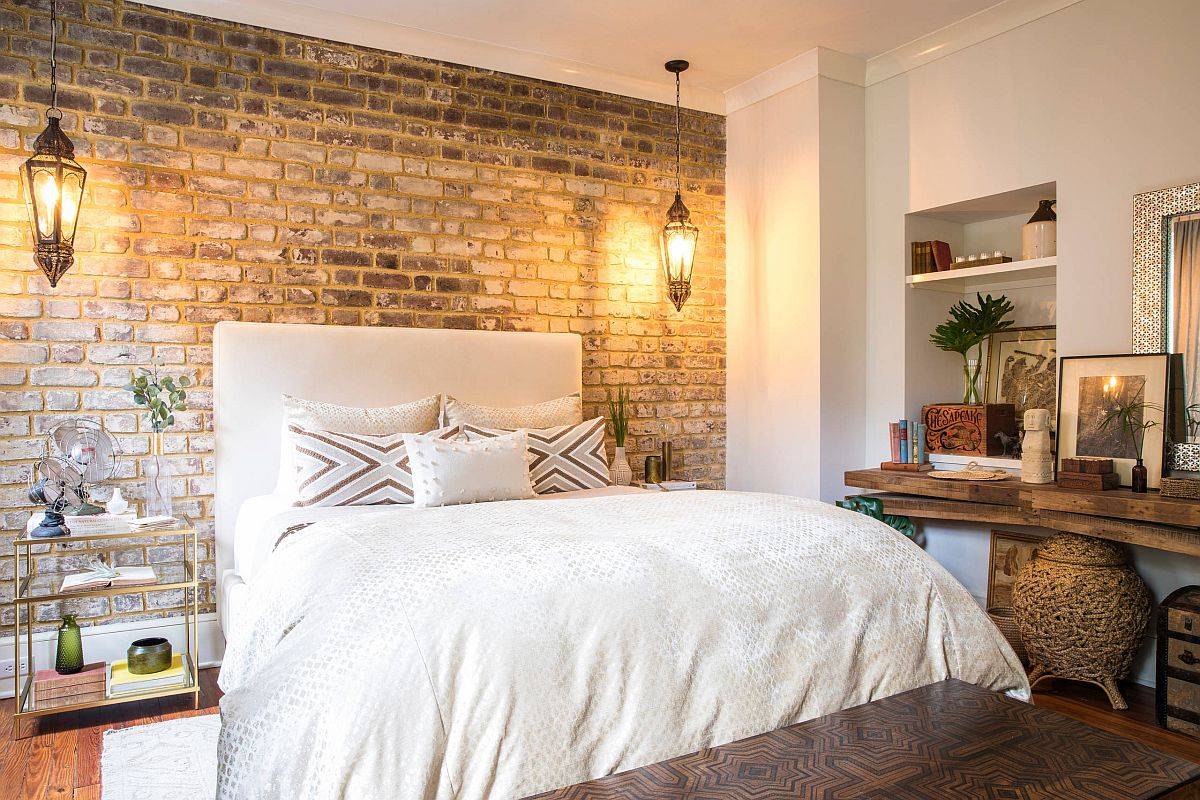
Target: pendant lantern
{"type": "Point", "coordinates": [679, 236]}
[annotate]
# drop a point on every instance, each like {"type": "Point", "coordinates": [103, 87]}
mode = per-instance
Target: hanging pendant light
{"type": "Point", "coordinates": [53, 183]}
{"type": "Point", "coordinates": [678, 242]}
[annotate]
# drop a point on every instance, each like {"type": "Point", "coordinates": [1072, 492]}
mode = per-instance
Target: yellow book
{"type": "Point", "coordinates": [120, 679]}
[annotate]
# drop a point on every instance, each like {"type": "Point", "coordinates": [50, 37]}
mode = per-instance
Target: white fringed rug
{"type": "Point", "coordinates": [172, 760]}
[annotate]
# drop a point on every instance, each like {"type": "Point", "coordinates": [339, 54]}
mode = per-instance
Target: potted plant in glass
{"type": "Point", "coordinates": [619, 472]}
{"type": "Point", "coordinates": [161, 396]}
{"type": "Point", "coordinates": [967, 329]}
{"type": "Point", "coordinates": [1130, 416]}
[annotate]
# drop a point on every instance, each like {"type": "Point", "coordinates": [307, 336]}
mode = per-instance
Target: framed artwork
{"type": "Point", "coordinates": [1089, 387]}
{"type": "Point", "coordinates": [1022, 368]}
{"type": "Point", "coordinates": [1009, 552]}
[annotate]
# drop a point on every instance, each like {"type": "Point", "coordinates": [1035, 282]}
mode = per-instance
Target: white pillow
{"type": "Point", "coordinates": [417, 416]}
{"type": "Point", "coordinates": [550, 414]}
{"type": "Point", "coordinates": [563, 458]}
{"type": "Point", "coordinates": [446, 473]}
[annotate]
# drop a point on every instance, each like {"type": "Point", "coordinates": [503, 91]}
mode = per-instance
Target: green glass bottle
{"type": "Point", "coordinates": [69, 658]}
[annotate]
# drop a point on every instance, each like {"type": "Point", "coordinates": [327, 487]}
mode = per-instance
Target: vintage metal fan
{"type": "Point", "coordinates": [57, 485]}
{"type": "Point", "coordinates": [91, 450]}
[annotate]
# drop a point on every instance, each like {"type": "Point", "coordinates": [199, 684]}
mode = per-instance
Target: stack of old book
{"type": "Point", "coordinates": [1088, 472]}
{"type": "Point", "coordinates": [51, 690]}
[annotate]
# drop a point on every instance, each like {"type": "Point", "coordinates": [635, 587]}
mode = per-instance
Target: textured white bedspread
{"type": "Point", "coordinates": [503, 649]}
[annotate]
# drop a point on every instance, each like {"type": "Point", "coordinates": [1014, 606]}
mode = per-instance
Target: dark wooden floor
{"type": "Point", "coordinates": [61, 759]}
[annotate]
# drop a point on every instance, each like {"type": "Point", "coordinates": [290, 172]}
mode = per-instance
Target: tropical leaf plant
{"type": "Point", "coordinates": [618, 414]}
{"type": "Point", "coordinates": [967, 329]}
{"type": "Point", "coordinates": [161, 397]}
{"type": "Point", "coordinates": [1130, 417]}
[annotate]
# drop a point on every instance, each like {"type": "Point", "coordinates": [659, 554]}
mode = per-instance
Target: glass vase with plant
{"type": "Point", "coordinates": [965, 332]}
{"type": "Point", "coordinates": [619, 473]}
{"type": "Point", "coordinates": [1130, 417]}
{"type": "Point", "coordinates": [161, 396]}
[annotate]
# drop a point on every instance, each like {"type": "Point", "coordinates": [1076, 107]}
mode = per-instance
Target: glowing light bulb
{"type": "Point", "coordinates": [680, 249]}
{"type": "Point", "coordinates": [48, 196]}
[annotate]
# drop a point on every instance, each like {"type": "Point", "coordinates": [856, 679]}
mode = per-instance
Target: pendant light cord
{"type": "Point", "coordinates": [678, 180]}
{"type": "Point", "coordinates": [53, 56]}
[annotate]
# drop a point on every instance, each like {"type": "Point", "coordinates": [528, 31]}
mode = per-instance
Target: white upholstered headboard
{"type": "Point", "coordinates": [254, 363]}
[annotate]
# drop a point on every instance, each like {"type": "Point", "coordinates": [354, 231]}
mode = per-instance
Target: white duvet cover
{"type": "Point", "coordinates": [504, 649]}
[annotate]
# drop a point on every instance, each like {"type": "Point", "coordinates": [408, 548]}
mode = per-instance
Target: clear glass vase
{"type": "Point", "coordinates": [156, 470]}
{"type": "Point", "coordinates": [971, 393]}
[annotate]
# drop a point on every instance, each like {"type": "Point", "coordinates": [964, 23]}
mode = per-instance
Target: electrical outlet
{"type": "Point", "coordinates": [8, 668]}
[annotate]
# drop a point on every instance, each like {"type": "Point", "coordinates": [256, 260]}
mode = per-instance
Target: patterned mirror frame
{"type": "Point", "coordinates": [1150, 212]}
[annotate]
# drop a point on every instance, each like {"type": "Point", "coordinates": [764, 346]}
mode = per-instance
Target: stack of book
{"type": "Point", "coordinates": [1088, 472]}
{"type": "Point", "coordinates": [931, 256]}
{"type": "Point", "coordinates": [90, 524]}
{"type": "Point", "coordinates": [159, 523]}
{"type": "Point", "coordinates": [907, 441]}
{"type": "Point", "coordinates": [51, 690]}
{"type": "Point", "coordinates": [123, 682]}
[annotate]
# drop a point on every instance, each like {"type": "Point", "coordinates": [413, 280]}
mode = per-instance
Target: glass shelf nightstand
{"type": "Point", "coordinates": [32, 587]}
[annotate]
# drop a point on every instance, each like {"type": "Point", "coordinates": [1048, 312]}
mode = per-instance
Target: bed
{"type": "Point", "coordinates": [507, 648]}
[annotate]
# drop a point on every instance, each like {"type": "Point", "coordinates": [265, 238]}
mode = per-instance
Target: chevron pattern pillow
{"type": "Point", "coordinates": [353, 469]}
{"type": "Point", "coordinates": [562, 459]}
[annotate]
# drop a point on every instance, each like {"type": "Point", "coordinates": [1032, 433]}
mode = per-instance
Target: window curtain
{"type": "Point", "coordinates": [1185, 248]}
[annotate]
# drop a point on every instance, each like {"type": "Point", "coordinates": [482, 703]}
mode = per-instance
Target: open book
{"type": "Point", "coordinates": [104, 579]}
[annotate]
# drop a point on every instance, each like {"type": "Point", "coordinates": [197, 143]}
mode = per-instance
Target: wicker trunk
{"type": "Point", "coordinates": [1177, 684]}
{"type": "Point", "coordinates": [1082, 611]}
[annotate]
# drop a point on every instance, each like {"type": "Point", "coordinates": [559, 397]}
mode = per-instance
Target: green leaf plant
{"type": "Point", "coordinates": [618, 414]}
{"type": "Point", "coordinates": [967, 329]}
{"type": "Point", "coordinates": [1130, 416]}
{"type": "Point", "coordinates": [161, 396]}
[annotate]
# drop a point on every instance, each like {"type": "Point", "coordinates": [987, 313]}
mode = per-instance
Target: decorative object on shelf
{"type": "Point", "coordinates": [161, 396]}
{"type": "Point", "coordinates": [1037, 453]}
{"type": "Point", "coordinates": [1010, 445]}
{"type": "Point", "coordinates": [933, 256]}
{"type": "Point", "coordinates": [57, 485]}
{"type": "Point", "coordinates": [966, 331]}
{"type": "Point", "coordinates": [1082, 611]}
{"type": "Point", "coordinates": [1022, 368]}
{"type": "Point", "coordinates": [1181, 484]}
{"type": "Point", "coordinates": [117, 504]}
{"type": "Point", "coordinates": [68, 654]}
{"type": "Point", "coordinates": [1005, 620]}
{"type": "Point", "coordinates": [1039, 236]}
{"type": "Point", "coordinates": [1166, 307]}
{"type": "Point", "coordinates": [968, 429]}
{"type": "Point", "coordinates": [905, 466]}
{"type": "Point", "coordinates": [148, 656]}
{"type": "Point", "coordinates": [1177, 662]}
{"type": "Point", "coordinates": [1113, 407]}
{"type": "Point", "coordinates": [52, 182]}
{"type": "Point", "coordinates": [91, 450]}
{"type": "Point", "coordinates": [679, 236]}
{"type": "Point", "coordinates": [619, 472]}
{"type": "Point", "coordinates": [668, 458]}
{"type": "Point", "coordinates": [52, 690]}
{"type": "Point", "coordinates": [1008, 552]}
{"type": "Point", "coordinates": [971, 472]}
{"type": "Point", "coordinates": [983, 260]}
{"type": "Point", "coordinates": [1086, 472]}
{"type": "Point", "coordinates": [873, 507]}
{"type": "Point", "coordinates": [653, 470]}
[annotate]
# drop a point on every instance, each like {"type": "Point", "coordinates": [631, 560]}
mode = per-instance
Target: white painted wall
{"type": "Point", "coordinates": [1102, 97]}
{"type": "Point", "coordinates": [795, 188]}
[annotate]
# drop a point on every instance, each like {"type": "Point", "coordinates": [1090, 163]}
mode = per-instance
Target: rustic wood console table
{"type": "Point", "coordinates": [1149, 520]}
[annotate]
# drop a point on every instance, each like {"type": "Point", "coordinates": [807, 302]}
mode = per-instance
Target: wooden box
{"type": "Point", "coordinates": [1088, 480]}
{"type": "Point", "coordinates": [1177, 692]}
{"type": "Point", "coordinates": [1092, 465]}
{"type": "Point", "coordinates": [969, 430]}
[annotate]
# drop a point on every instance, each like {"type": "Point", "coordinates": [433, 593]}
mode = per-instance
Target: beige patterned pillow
{"type": "Point", "coordinates": [417, 416]}
{"type": "Point", "coordinates": [353, 469]}
{"type": "Point", "coordinates": [562, 459]}
{"type": "Point", "coordinates": [552, 413]}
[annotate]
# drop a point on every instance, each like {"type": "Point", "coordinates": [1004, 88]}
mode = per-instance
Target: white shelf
{"type": "Point", "coordinates": [974, 279]}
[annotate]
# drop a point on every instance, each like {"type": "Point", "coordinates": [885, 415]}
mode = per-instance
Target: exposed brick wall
{"type": "Point", "coordinates": [241, 173]}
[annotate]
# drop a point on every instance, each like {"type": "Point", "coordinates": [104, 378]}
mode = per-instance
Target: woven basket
{"type": "Point", "coordinates": [1005, 619]}
{"type": "Point", "coordinates": [1081, 611]}
{"type": "Point", "coordinates": [1187, 488]}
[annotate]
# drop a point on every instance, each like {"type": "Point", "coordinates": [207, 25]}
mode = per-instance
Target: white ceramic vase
{"type": "Point", "coordinates": [1039, 236]}
{"type": "Point", "coordinates": [117, 504]}
{"type": "Point", "coordinates": [619, 471]}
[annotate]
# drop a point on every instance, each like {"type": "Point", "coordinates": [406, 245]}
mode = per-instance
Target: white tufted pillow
{"type": "Point", "coordinates": [446, 473]}
{"type": "Point", "coordinates": [550, 414]}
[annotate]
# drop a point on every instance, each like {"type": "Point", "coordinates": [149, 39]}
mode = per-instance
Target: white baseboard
{"type": "Point", "coordinates": [109, 642]}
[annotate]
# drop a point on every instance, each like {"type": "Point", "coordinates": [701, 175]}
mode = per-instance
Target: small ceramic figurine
{"type": "Point", "coordinates": [1037, 457]}
{"type": "Point", "coordinates": [116, 504]}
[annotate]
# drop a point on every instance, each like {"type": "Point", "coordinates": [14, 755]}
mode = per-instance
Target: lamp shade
{"type": "Point", "coordinates": [52, 182]}
{"type": "Point", "coordinates": [677, 246]}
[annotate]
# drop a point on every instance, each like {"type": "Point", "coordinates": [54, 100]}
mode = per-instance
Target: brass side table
{"type": "Point", "coordinates": [31, 588]}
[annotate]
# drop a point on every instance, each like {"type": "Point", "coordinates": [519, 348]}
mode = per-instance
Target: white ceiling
{"type": "Point", "coordinates": [727, 41]}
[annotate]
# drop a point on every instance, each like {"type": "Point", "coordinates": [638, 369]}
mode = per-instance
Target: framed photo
{"type": "Point", "coordinates": [1089, 387]}
{"type": "Point", "coordinates": [1009, 552]}
{"type": "Point", "coordinates": [1022, 368]}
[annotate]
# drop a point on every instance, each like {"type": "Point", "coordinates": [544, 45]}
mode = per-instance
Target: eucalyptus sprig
{"type": "Point", "coordinates": [161, 397]}
{"type": "Point", "coordinates": [967, 329]}
{"type": "Point", "coordinates": [618, 414]}
{"type": "Point", "coordinates": [1131, 417]}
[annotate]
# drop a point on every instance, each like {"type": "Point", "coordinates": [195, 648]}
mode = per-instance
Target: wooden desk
{"type": "Point", "coordinates": [1149, 520]}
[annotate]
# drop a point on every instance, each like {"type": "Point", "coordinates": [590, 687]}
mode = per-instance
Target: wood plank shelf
{"type": "Point", "coordinates": [1148, 520]}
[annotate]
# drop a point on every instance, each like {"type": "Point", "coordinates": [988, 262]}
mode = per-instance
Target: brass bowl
{"type": "Point", "coordinates": [150, 655]}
